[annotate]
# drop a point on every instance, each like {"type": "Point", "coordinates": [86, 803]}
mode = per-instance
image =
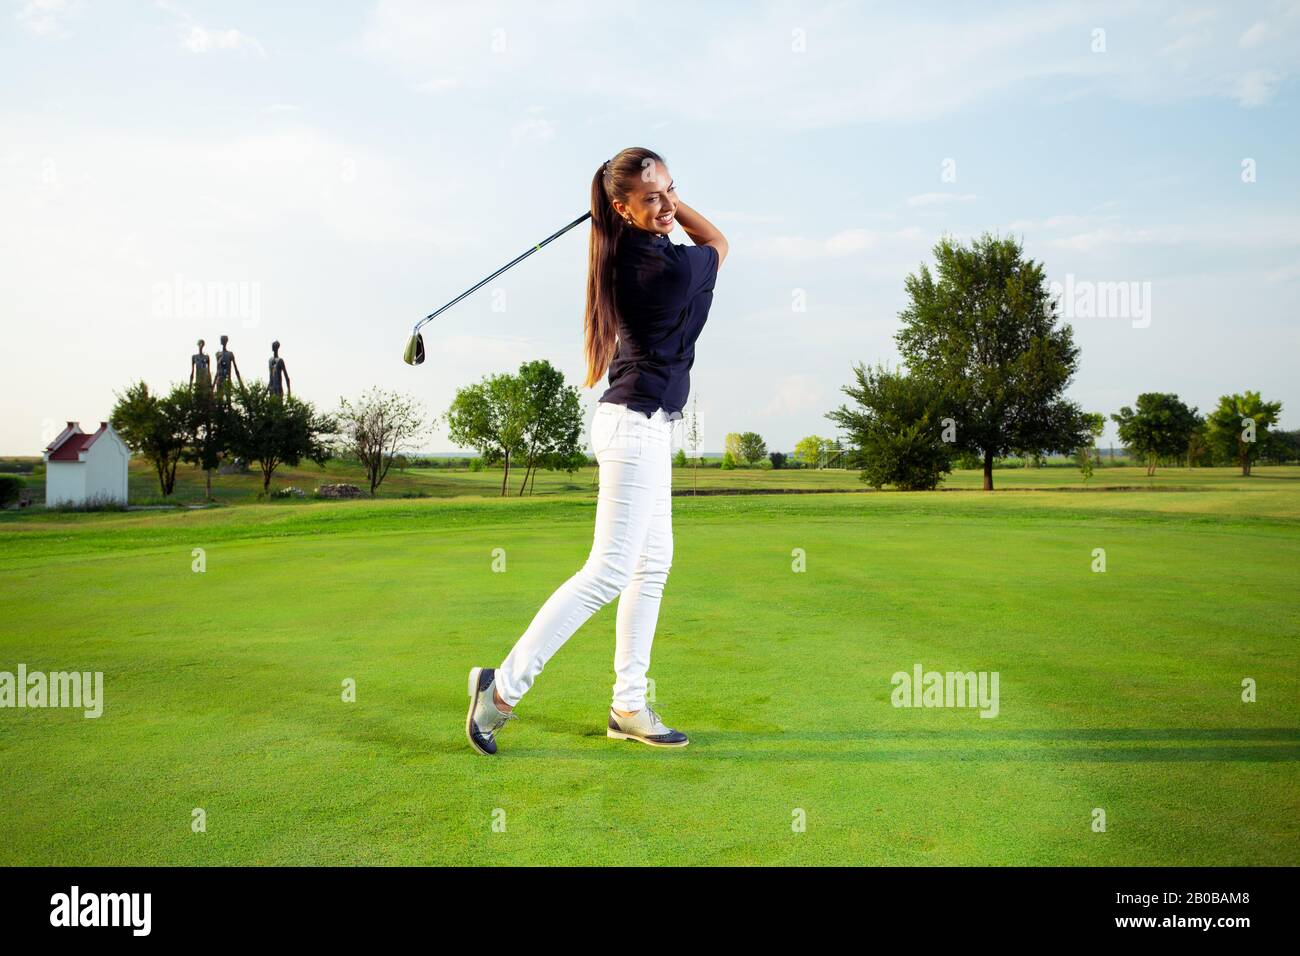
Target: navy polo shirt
{"type": "Point", "coordinates": [662, 292]}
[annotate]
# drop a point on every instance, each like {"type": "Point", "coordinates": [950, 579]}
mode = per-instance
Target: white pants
{"type": "Point", "coordinates": [630, 556]}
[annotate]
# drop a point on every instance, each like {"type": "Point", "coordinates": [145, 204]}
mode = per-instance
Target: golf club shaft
{"type": "Point", "coordinates": [585, 216]}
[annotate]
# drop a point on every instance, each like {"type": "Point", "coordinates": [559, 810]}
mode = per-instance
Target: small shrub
{"type": "Point", "coordinates": [93, 503]}
{"type": "Point", "coordinates": [10, 489]}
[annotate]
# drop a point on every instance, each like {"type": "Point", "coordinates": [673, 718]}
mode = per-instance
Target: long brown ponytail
{"type": "Point", "coordinates": [612, 181]}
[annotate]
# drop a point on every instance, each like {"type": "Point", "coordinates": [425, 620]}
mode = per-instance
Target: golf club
{"type": "Point", "coordinates": [414, 354]}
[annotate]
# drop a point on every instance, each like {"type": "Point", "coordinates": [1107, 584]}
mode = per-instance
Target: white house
{"type": "Point", "coordinates": [81, 467]}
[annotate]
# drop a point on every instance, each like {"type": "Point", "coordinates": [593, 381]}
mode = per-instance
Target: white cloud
{"type": "Point", "coordinates": [1284, 273]}
{"type": "Point", "coordinates": [1100, 238]}
{"type": "Point", "coordinates": [1260, 233]}
{"type": "Point", "coordinates": [939, 199]}
{"type": "Point", "coordinates": [1254, 36]}
{"type": "Point", "coordinates": [842, 244]}
{"type": "Point", "coordinates": [1060, 221]}
{"type": "Point", "coordinates": [1187, 43]}
{"type": "Point", "coordinates": [535, 129]}
{"type": "Point", "coordinates": [439, 84]}
{"type": "Point", "coordinates": [794, 395]}
{"type": "Point", "coordinates": [1256, 87]}
{"type": "Point", "coordinates": [886, 63]}
{"type": "Point", "coordinates": [46, 18]}
{"type": "Point", "coordinates": [199, 39]}
{"type": "Point", "coordinates": [735, 217]}
{"type": "Point", "coordinates": [1191, 18]}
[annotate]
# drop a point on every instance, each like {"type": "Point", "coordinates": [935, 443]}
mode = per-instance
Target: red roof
{"type": "Point", "coordinates": [73, 441]}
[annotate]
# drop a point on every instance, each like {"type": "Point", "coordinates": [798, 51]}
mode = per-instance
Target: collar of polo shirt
{"type": "Point", "coordinates": [638, 234]}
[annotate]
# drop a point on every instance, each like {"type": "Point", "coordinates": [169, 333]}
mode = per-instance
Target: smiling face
{"type": "Point", "coordinates": [652, 201]}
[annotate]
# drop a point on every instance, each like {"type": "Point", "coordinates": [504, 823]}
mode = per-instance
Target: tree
{"type": "Point", "coordinates": [1200, 452]}
{"type": "Point", "coordinates": [491, 416]}
{"type": "Point", "coordinates": [206, 424]}
{"type": "Point", "coordinates": [751, 447]}
{"type": "Point", "coordinates": [982, 330]}
{"type": "Point", "coordinates": [731, 447]}
{"type": "Point", "coordinates": [897, 428]}
{"type": "Point", "coordinates": [778, 459]}
{"type": "Point", "coordinates": [552, 434]}
{"type": "Point", "coordinates": [376, 428]}
{"type": "Point", "coordinates": [693, 439]}
{"type": "Point", "coordinates": [1161, 427]}
{"type": "Point", "coordinates": [811, 451]}
{"type": "Point", "coordinates": [153, 427]}
{"type": "Point", "coordinates": [1239, 426]}
{"type": "Point", "coordinates": [11, 489]}
{"type": "Point", "coordinates": [273, 430]}
{"type": "Point", "coordinates": [1096, 424]}
{"type": "Point", "coordinates": [1280, 447]}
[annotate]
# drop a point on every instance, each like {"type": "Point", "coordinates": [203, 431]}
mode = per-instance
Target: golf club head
{"type": "Point", "coordinates": [414, 354]}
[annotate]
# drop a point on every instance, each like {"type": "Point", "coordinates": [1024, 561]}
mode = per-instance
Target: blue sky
{"type": "Point", "coordinates": [351, 168]}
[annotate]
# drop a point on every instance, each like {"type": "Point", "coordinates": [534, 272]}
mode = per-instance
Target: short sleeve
{"type": "Point", "coordinates": [703, 272]}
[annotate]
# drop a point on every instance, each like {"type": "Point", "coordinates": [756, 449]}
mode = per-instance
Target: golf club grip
{"type": "Point", "coordinates": [583, 218]}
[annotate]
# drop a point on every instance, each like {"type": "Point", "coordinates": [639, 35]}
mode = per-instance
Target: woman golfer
{"type": "Point", "coordinates": [647, 300]}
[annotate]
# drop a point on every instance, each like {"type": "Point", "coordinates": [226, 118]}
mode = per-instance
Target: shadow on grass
{"type": "Point", "coordinates": [1100, 745]}
{"type": "Point", "coordinates": [1098, 734]}
{"type": "Point", "coordinates": [1115, 745]}
{"type": "Point", "coordinates": [1263, 753]}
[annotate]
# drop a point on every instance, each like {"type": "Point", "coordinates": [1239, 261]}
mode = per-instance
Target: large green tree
{"type": "Point", "coordinates": [273, 430]}
{"type": "Point", "coordinates": [1160, 427]}
{"type": "Point", "coordinates": [981, 328]}
{"type": "Point", "coordinates": [205, 430]}
{"type": "Point", "coordinates": [1282, 447]}
{"type": "Point", "coordinates": [1239, 427]}
{"type": "Point", "coordinates": [896, 428]}
{"type": "Point", "coordinates": [552, 436]}
{"type": "Point", "coordinates": [813, 450]}
{"type": "Point", "coordinates": [493, 417]}
{"type": "Point", "coordinates": [154, 427]}
{"type": "Point", "coordinates": [752, 447]}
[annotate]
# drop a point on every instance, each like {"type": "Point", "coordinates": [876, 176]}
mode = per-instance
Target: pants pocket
{"type": "Point", "coordinates": [614, 429]}
{"type": "Point", "coordinates": [603, 427]}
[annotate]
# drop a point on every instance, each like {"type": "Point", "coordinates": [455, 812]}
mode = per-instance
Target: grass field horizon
{"type": "Point", "coordinates": [446, 482]}
{"type": "Point", "coordinates": [1118, 690]}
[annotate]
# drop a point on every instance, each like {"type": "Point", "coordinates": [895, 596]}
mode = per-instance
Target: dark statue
{"type": "Point", "coordinates": [200, 371]}
{"type": "Point", "coordinates": [226, 362]}
{"type": "Point", "coordinates": [279, 373]}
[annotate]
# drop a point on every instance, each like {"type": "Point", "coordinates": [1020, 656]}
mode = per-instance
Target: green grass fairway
{"type": "Point", "coordinates": [1119, 691]}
